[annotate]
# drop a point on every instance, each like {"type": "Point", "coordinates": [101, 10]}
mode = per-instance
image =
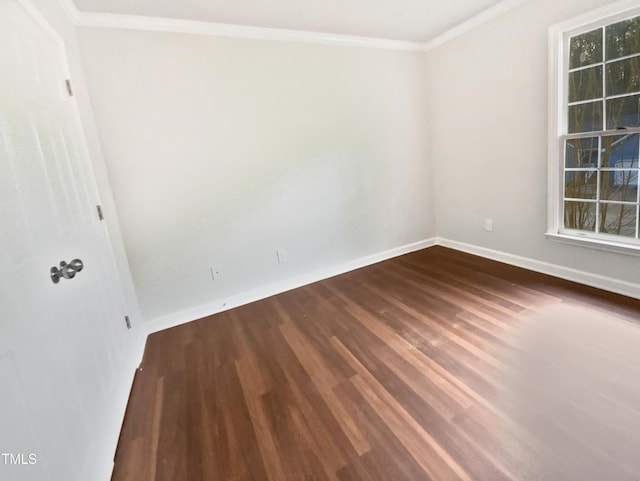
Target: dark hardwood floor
{"type": "Point", "coordinates": [436, 365]}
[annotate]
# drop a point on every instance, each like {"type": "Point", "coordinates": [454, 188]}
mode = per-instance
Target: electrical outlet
{"type": "Point", "coordinates": [488, 225]}
{"type": "Point", "coordinates": [282, 255]}
{"type": "Point", "coordinates": [216, 272]}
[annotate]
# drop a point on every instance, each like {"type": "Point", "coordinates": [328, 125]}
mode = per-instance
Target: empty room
{"type": "Point", "coordinates": [338, 241]}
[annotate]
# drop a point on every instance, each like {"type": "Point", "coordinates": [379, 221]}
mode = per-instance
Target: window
{"type": "Point", "coordinates": [595, 122]}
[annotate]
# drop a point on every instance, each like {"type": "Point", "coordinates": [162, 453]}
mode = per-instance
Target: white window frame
{"type": "Point", "coordinates": [558, 81]}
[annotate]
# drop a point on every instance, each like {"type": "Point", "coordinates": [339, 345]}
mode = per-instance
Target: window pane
{"type": "Point", "coordinates": [623, 76]}
{"type": "Point", "coordinates": [585, 117]}
{"type": "Point", "coordinates": [581, 153]}
{"type": "Point", "coordinates": [585, 84]}
{"type": "Point", "coordinates": [621, 185]}
{"type": "Point", "coordinates": [580, 215]}
{"type": "Point", "coordinates": [585, 49]}
{"type": "Point", "coordinates": [623, 38]}
{"type": "Point", "coordinates": [620, 151]}
{"type": "Point", "coordinates": [623, 112]}
{"type": "Point", "coordinates": [582, 184]}
{"type": "Point", "coordinates": [618, 219]}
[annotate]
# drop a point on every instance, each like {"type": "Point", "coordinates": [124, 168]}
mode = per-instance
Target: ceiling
{"type": "Point", "coordinates": [409, 20]}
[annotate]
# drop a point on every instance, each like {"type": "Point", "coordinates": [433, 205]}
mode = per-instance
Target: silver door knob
{"type": "Point", "coordinates": [66, 271]}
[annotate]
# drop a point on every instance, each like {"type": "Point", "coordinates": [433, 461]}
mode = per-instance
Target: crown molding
{"type": "Point", "coordinates": [70, 9]}
{"type": "Point", "coordinates": [174, 25]}
{"type": "Point", "coordinates": [599, 15]}
{"type": "Point", "coordinates": [473, 22]}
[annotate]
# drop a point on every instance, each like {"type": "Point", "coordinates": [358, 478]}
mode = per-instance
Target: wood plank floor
{"type": "Point", "coordinates": [436, 365]}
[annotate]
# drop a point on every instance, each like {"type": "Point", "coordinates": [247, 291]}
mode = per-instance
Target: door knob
{"type": "Point", "coordinates": [66, 271]}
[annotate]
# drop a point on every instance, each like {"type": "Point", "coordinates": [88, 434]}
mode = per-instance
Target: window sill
{"type": "Point", "coordinates": [599, 244]}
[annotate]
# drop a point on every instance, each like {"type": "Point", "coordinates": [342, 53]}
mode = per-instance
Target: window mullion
{"type": "Point", "coordinates": [598, 180]}
{"type": "Point", "coordinates": [604, 128]}
{"type": "Point", "coordinates": [597, 133]}
{"type": "Point", "coordinates": [638, 196]}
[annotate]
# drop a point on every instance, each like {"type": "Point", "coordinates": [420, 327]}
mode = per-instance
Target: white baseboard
{"type": "Point", "coordinates": [219, 305]}
{"type": "Point", "coordinates": [594, 280]}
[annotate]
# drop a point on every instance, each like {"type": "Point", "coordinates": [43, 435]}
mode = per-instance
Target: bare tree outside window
{"type": "Point", "coordinates": [602, 143]}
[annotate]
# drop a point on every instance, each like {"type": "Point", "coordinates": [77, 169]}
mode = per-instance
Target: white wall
{"type": "Point", "coordinates": [488, 125]}
{"type": "Point", "coordinates": [222, 151]}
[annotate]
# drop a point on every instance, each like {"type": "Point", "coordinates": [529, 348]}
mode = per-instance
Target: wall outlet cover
{"type": "Point", "coordinates": [488, 225]}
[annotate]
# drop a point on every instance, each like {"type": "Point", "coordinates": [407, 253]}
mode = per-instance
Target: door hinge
{"type": "Point", "coordinates": [127, 322]}
{"type": "Point", "coordinates": [67, 82]}
{"type": "Point", "coordinates": [100, 214]}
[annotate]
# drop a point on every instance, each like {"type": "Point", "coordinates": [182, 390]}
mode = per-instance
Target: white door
{"type": "Point", "coordinates": [60, 344]}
